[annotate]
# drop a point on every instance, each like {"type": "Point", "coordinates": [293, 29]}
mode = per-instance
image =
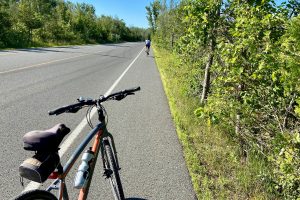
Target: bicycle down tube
{"type": "Point", "coordinates": [59, 183]}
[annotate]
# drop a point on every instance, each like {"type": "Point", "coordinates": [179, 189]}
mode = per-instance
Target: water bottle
{"type": "Point", "coordinates": [84, 169]}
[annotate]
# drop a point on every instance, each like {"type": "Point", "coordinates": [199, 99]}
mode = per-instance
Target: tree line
{"type": "Point", "coordinates": [26, 23]}
{"type": "Point", "coordinates": [244, 66]}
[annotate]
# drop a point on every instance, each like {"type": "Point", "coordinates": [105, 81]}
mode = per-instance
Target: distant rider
{"type": "Point", "coordinates": [148, 44]}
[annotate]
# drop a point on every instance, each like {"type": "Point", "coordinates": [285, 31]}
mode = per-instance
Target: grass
{"type": "Point", "coordinates": [212, 156]}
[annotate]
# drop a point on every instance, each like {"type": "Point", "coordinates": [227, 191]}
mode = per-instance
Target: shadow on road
{"type": "Point", "coordinates": [115, 45]}
{"type": "Point", "coordinates": [50, 49]}
{"type": "Point", "coordinates": [61, 50]}
{"type": "Point", "coordinates": [58, 49]}
{"type": "Point", "coordinates": [152, 56]}
{"type": "Point", "coordinates": [109, 55]}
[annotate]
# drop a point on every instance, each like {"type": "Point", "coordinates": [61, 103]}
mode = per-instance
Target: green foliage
{"type": "Point", "coordinates": [164, 20]}
{"type": "Point", "coordinates": [252, 50]}
{"type": "Point", "coordinates": [5, 25]}
{"type": "Point", "coordinates": [212, 158]}
{"type": "Point", "coordinates": [287, 150]}
{"type": "Point", "coordinates": [40, 22]}
{"type": "Point", "coordinates": [153, 12]}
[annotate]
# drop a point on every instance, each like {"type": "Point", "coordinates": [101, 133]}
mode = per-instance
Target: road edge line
{"type": "Point", "coordinates": [67, 143]}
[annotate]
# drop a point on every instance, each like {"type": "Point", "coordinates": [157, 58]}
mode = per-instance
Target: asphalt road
{"type": "Point", "coordinates": [34, 81]}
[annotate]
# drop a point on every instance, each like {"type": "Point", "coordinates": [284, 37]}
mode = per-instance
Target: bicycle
{"type": "Point", "coordinates": [147, 50]}
{"type": "Point", "coordinates": [103, 142]}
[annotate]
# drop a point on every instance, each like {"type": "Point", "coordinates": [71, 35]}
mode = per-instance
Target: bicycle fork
{"type": "Point", "coordinates": [106, 141]}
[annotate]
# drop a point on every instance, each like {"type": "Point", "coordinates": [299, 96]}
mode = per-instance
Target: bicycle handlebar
{"type": "Point", "coordinates": [69, 108]}
{"type": "Point", "coordinates": [73, 108]}
{"type": "Point", "coordinates": [121, 93]}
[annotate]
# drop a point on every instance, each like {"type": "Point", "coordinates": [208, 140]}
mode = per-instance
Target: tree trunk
{"type": "Point", "coordinates": [30, 38]}
{"type": "Point", "coordinates": [172, 40]}
{"type": "Point", "coordinates": [288, 110]}
{"type": "Point", "coordinates": [238, 131]}
{"type": "Point", "coordinates": [206, 81]}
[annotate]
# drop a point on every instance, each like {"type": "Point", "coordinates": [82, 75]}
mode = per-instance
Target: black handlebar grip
{"type": "Point", "coordinates": [51, 112]}
{"type": "Point", "coordinates": [133, 89]}
{"type": "Point", "coordinates": [58, 111]}
{"type": "Point", "coordinates": [70, 108]}
{"type": "Point", "coordinates": [138, 88]}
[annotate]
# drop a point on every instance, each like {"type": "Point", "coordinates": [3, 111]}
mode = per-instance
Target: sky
{"type": "Point", "coordinates": [133, 12]}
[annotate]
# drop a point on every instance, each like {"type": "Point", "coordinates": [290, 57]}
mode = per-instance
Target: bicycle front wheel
{"type": "Point", "coordinates": [36, 195]}
{"type": "Point", "coordinates": [114, 176]}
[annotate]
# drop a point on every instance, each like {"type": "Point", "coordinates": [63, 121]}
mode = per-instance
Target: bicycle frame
{"type": "Point", "coordinates": [147, 49]}
{"type": "Point", "coordinates": [101, 134]}
{"type": "Point", "coordinates": [103, 141]}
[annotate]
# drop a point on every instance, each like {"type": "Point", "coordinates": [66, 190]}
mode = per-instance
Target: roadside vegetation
{"type": "Point", "coordinates": [213, 159]}
{"type": "Point", "coordinates": [231, 73]}
{"type": "Point", "coordinates": [29, 23]}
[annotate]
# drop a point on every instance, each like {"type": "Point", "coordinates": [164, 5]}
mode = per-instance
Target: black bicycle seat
{"type": "Point", "coordinates": [45, 140]}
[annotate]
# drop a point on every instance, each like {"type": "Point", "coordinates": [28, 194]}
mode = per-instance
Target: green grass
{"type": "Point", "coordinates": [212, 157]}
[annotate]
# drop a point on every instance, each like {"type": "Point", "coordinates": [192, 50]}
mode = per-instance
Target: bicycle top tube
{"type": "Point", "coordinates": [82, 102]}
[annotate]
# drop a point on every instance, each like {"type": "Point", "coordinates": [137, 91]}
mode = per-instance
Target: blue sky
{"type": "Point", "coordinates": [133, 12]}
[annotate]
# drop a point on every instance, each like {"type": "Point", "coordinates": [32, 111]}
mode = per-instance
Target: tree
{"type": "Point", "coordinates": [248, 53]}
{"type": "Point", "coordinates": [29, 14]}
{"type": "Point", "coordinates": [84, 21]}
{"type": "Point", "coordinates": [40, 22]}
{"type": "Point", "coordinates": [203, 20]}
{"type": "Point", "coordinates": [168, 25]}
{"type": "Point", "coordinates": [59, 26]}
{"type": "Point", "coordinates": [5, 23]}
{"type": "Point", "coordinates": [153, 12]}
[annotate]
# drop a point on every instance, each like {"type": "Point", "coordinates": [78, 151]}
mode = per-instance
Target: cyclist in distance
{"type": "Point", "coordinates": [148, 44]}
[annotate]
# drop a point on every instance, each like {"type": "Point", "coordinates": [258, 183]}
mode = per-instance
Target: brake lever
{"type": "Point", "coordinates": [84, 100]}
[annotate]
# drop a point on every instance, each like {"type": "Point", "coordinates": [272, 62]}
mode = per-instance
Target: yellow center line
{"type": "Point", "coordinates": [40, 64]}
{"type": "Point", "coordinates": [5, 54]}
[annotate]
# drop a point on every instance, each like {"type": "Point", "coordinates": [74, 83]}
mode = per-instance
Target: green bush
{"type": "Point", "coordinates": [287, 164]}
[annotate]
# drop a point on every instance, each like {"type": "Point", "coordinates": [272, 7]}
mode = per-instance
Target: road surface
{"type": "Point", "coordinates": [34, 81]}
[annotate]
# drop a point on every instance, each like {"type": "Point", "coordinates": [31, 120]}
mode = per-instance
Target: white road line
{"type": "Point", "coordinates": [40, 64]}
{"type": "Point", "coordinates": [5, 54]}
{"type": "Point", "coordinates": [68, 142]}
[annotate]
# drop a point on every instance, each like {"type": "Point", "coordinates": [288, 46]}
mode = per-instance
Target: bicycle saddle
{"type": "Point", "coordinates": [45, 140]}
